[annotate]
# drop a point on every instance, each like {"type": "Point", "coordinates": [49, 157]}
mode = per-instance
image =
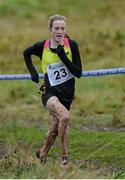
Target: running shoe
{"type": "Point", "coordinates": [65, 160]}
{"type": "Point", "coordinates": [42, 158]}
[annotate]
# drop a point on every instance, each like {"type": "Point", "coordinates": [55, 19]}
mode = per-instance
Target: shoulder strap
{"type": "Point", "coordinates": [66, 42]}
{"type": "Point", "coordinates": [46, 44]}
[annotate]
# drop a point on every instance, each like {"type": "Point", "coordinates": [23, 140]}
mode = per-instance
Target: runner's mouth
{"type": "Point", "coordinates": [59, 36]}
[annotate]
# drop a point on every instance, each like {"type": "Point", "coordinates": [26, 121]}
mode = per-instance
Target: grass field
{"type": "Point", "coordinates": [97, 139]}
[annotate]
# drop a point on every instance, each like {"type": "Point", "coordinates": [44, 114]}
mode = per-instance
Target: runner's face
{"type": "Point", "coordinates": [58, 30]}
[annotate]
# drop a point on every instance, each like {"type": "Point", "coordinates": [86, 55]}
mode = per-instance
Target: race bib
{"type": "Point", "coordinates": [58, 73]}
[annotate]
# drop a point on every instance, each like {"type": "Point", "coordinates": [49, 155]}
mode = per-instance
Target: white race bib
{"type": "Point", "coordinates": [58, 73]}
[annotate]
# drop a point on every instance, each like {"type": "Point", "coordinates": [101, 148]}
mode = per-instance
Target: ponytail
{"type": "Point", "coordinates": [67, 36]}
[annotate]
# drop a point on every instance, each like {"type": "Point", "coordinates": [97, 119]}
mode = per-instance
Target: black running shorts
{"type": "Point", "coordinates": [67, 103]}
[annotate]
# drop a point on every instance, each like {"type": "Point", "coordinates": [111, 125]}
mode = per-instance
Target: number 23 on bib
{"type": "Point", "coordinates": [58, 73]}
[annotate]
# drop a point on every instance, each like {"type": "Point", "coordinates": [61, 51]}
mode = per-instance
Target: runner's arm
{"type": "Point", "coordinates": [75, 66]}
{"type": "Point", "coordinates": [36, 49]}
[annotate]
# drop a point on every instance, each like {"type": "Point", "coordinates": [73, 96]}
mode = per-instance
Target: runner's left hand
{"type": "Point", "coordinates": [60, 49]}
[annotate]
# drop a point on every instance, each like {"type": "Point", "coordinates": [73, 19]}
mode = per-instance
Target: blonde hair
{"type": "Point", "coordinates": [55, 18]}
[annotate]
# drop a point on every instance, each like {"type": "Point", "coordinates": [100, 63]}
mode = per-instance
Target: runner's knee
{"type": "Point", "coordinates": [65, 117]}
{"type": "Point", "coordinates": [54, 133]}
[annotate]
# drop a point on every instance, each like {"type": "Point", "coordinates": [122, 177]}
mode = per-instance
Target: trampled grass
{"type": "Point", "coordinates": [97, 114]}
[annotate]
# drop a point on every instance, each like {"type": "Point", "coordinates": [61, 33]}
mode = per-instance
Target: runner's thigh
{"type": "Point", "coordinates": [57, 109]}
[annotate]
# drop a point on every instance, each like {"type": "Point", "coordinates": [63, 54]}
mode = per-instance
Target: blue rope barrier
{"type": "Point", "coordinates": [100, 72]}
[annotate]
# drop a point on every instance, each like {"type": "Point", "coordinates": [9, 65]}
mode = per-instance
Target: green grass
{"type": "Point", "coordinates": [97, 114]}
{"type": "Point", "coordinates": [90, 151]}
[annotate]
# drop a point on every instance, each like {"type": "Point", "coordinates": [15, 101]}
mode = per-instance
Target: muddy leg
{"type": "Point", "coordinates": [50, 136]}
{"type": "Point", "coordinates": [57, 109]}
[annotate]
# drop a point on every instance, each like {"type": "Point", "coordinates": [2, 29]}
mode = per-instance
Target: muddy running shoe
{"type": "Point", "coordinates": [42, 158]}
{"type": "Point", "coordinates": [65, 160]}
